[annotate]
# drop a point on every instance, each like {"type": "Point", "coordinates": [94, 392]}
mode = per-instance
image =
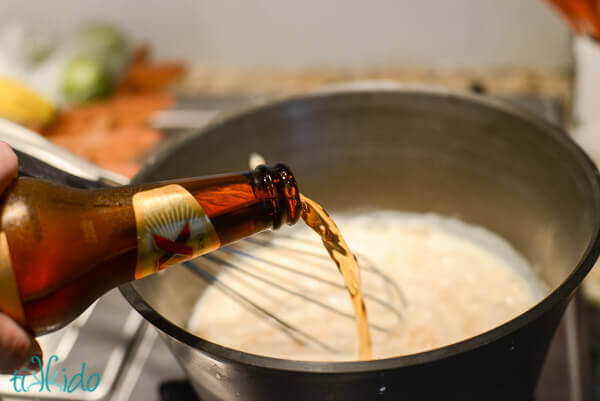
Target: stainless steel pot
{"type": "Point", "coordinates": [383, 147]}
{"type": "Point", "coordinates": [413, 150]}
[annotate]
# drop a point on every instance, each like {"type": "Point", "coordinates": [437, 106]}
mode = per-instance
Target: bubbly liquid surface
{"type": "Point", "coordinates": [456, 281]}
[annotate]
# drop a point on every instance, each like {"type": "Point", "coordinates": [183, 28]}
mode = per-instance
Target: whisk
{"type": "Point", "coordinates": [273, 263]}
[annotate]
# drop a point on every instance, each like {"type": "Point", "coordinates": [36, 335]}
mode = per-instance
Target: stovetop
{"type": "Point", "coordinates": [135, 365]}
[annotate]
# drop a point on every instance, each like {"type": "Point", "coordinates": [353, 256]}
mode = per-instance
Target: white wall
{"type": "Point", "coordinates": [325, 33]}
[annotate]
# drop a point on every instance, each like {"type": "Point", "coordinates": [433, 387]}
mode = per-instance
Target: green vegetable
{"type": "Point", "coordinates": [107, 42]}
{"type": "Point", "coordinates": [86, 78]}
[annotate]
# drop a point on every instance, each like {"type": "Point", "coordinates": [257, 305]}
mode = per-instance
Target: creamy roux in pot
{"type": "Point", "coordinates": [456, 281]}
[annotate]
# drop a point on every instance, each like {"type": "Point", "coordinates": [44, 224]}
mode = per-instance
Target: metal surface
{"type": "Point", "coordinates": [412, 150]}
{"type": "Point", "coordinates": [182, 119]}
{"type": "Point", "coordinates": [555, 383]}
{"type": "Point", "coordinates": [34, 145]}
{"type": "Point", "coordinates": [147, 362]}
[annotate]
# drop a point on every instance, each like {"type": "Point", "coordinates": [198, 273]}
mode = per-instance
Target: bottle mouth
{"type": "Point", "coordinates": [283, 192]}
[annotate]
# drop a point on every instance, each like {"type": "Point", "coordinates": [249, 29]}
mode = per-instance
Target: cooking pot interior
{"type": "Point", "coordinates": [410, 151]}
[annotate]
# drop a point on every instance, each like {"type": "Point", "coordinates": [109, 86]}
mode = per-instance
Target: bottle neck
{"type": "Point", "coordinates": [276, 186]}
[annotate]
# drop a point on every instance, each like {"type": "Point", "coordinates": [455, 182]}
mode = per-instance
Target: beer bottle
{"type": "Point", "coordinates": [61, 248]}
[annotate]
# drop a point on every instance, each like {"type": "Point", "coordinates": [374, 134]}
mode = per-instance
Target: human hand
{"type": "Point", "coordinates": [17, 347]}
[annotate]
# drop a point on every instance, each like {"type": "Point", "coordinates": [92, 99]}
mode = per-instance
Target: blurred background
{"type": "Point", "coordinates": [325, 34]}
{"type": "Point", "coordinates": [111, 69]}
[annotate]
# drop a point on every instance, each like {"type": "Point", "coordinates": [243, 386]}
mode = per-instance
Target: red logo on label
{"type": "Point", "coordinates": [176, 247]}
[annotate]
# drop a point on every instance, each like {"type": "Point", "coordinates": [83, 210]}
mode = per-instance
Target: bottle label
{"type": "Point", "coordinates": [171, 228]}
{"type": "Point", "coordinates": [10, 298]}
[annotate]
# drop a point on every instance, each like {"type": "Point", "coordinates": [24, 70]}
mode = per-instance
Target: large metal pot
{"type": "Point", "coordinates": [408, 149]}
{"type": "Point", "coordinates": [413, 150]}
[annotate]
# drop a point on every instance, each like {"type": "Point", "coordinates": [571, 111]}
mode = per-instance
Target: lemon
{"type": "Point", "coordinates": [20, 104]}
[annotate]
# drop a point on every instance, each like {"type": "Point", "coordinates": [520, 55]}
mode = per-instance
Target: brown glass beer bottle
{"type": "Point", "coordinates": [62, 248]}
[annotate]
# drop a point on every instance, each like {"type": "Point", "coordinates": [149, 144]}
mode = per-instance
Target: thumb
{"type": "Point", "coordinates": [16, 346]}
{"type": "Point", "coordinates": [8, 165]}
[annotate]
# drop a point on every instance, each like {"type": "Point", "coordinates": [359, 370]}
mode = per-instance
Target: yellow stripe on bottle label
{"type": "Point", "coordinates": [171, 228]}
{"type": "Point", "coordinates": [10, 298]}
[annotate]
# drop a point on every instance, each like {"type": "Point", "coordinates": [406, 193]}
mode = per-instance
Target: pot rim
{"type": "Point", "coordinates": [564, 290]}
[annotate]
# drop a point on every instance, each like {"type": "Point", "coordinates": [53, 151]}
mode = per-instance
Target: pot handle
{"type": "Point", "coordinates": [40, 158]}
